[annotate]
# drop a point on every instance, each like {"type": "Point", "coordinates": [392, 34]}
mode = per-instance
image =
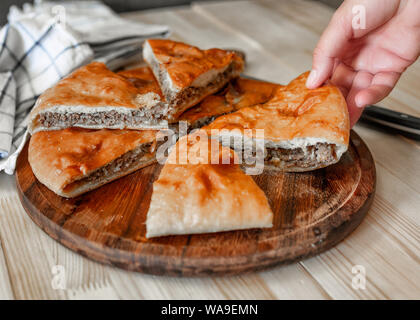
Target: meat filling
{"type": "Point", "coordinates": [194, 93]}
{"type": "Point", "coordinates": [121, 165]}
{"type": "Point", "coordinates": [103, 118]}
{"type": "Point", "coordinates": [199, 123]}
{"type": "Point", "coordinates": [320, 154]}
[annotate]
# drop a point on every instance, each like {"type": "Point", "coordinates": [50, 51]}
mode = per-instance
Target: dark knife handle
{"type": "Point", "coordinates": [401, 122]}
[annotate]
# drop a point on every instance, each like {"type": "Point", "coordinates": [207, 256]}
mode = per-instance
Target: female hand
{"type": "Point", "coordinates": [366, 63]}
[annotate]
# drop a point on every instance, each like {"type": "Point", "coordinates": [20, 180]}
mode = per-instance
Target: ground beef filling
{"type": "Point", "coordinates": [202, 122]}
{"type": "Point", "coordinates": [320, 154]}
{"type": "Point", "coordinates": [191, 93]}
{"type": "Point", "coordinates": [123, 164]}
{"type": "Point", "coordinates": [103, 118]}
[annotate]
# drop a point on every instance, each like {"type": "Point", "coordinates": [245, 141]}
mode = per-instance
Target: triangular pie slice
{"type": "Point", "coordinates": [76, 160]}
{"type": "Point", "coordinates": [239, 93]}
{"type": "Point", "coordinates": [304, 129]}
{"type": "Point", "coordinates": [94, 97]}
{"type": "Point", "coordinates": [143, 79]}
{"type": "Point", "coordinates": [187, 74]}
{"type": "Point", "coordinates": [198, 192]}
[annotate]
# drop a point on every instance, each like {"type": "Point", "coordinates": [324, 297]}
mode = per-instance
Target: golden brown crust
{"type": "Point", "coordinates": [143, 79]}
{"type": "Point", "coordinates": [92, 85]}
{"type": "Point", "coordinates": [240, 93]}
{"type": "Point", "coordinates": [184, 63]}
{"type": "Point", "coordinates": [95, 88]}
{"type": "Point", "coordinates": [187, 74]}
{"type": "Point", "coordinates": [61, 157]}
{"type": "Point", "coordinates": [294, 112]}
{"type": "Point", "coordinates": [203, 195]}
{"type": "Point", "coordinates": [212, 106]}
{"type": "Point", "coordinates": [248, 92]}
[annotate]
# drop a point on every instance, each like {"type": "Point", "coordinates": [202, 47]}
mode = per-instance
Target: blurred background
{"type": "Point", "coordinates": [130, 5]}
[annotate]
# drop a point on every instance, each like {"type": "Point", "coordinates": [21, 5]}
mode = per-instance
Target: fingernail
{"type": "Point", "coordinates": [311, 78]}
{"type": "Point", "coordinates": [359, 102]}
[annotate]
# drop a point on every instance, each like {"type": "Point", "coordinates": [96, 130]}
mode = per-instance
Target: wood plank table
{"type": "Point", "coordinates": [278, 38]}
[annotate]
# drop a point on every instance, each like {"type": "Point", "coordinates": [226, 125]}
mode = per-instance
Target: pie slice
{"type": "Point", "coordinates": [76, 160]}
{"type": "Point", "coordinates": [143, 79]}
{"type": "Point", "coordinates": [187, 74]}
{"type": "Point", "coordinates": [304, 129]}
{"type": "Point", "coordinates": [202, 193]}
{"type": "Point", "coordinates": [239, 93]}
{"type": "Point", "coordinates": [94, 97]}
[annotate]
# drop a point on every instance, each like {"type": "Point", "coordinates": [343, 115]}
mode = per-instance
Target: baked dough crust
{"type": "Point", "coordinates": [60, 158]}
{"type": "Point", "coordinates": [202, 195]}
{"type": "Point", "coordinates": [143, 79]}
{"type": "Point", "coordinates": [295, 117]}
{"type": "Point", "coordinates": [187, 74]}
{"type": "Point", "coordinates": [239, 93]}
{"type": "Point", "coordinates": [95, 89]}
{"type": "Point", "coordinates": [185, 63]}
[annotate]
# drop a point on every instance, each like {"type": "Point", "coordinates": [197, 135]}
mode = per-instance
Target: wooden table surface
{"type": "Point", "coordinates": [278, 38]}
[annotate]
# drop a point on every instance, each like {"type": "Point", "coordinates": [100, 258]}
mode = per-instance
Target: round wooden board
{"type": "Point", "coordinates": [312, 212]}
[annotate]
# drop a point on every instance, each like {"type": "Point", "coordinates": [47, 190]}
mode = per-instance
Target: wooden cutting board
{"type": "Point", "coordinates": [312, 212]}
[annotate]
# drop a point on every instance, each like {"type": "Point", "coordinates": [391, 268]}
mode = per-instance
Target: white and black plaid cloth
{"type": "Point", "coordinates": [43, 43]}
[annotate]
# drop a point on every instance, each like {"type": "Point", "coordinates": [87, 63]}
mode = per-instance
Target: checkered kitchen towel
{"type": "Point", "coordinates": [43, 43]}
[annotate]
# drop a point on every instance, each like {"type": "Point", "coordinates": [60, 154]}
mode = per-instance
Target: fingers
{"type": "Point", "coordinates": [362, 80]}
{"type": "Point", "coordinates": [368, 89]}
{"type": "Point", "coordinates": [335, 40]}
{"type": "Point", "coordinates": [331, 45]}
{"type": "Point", "coordinates": [354, 114]}
{"type": "Point", "coordinates": [371, 95]}
{"type": "Point", "coordinates": [324, 55]}
{"type": "Point", "coordinates": [342, 78]}
{"type": "Point", "coordinates": [377, 59]}
{"type": "Point", "coordinates": [382, 84]}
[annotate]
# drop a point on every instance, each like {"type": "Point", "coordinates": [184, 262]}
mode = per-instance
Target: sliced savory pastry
{"type": "Point", "coordinates": [239, 93]}
{"type": "Point", "coordinates": [187, 74]}
{"type": "Point", "coordinates": [94, 97]}
{"type": "Point", "coordinates": [207, 110]}
{"type": "Point", "coordinates": [304, 129]}
{"type": "Point", "coordinates": [205, 192]}
{"type": "Point", "coordinates": [74, 161]}
{"type": "Point", "coordinates": [143, 79]}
